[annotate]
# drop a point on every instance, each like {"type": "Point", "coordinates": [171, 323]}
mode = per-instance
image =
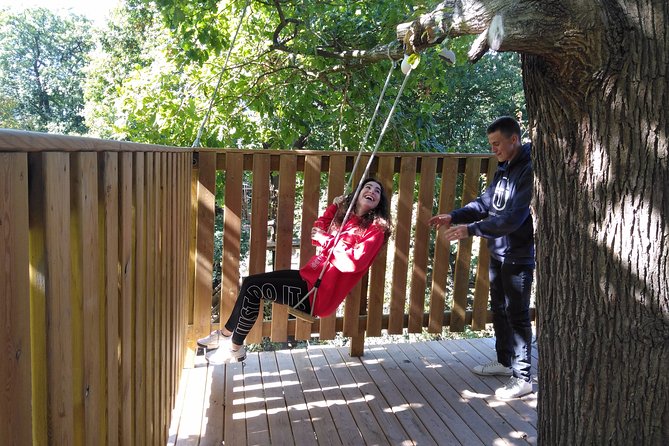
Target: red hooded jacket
{"type": "Point", "coordinates": [354, 253]}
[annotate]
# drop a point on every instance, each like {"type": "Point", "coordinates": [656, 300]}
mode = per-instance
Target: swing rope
{"type": "Point", "coordinates": [363, 144]}
{"type": "Point", "coordinates": [196, 143]}
{"type": "Point", "coordinates": [314, 290]}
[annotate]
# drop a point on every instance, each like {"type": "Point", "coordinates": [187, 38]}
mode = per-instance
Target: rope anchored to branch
{"type": "Point", "coordinates": [410, 65]}
{"type": "Point", "coordinates": [197, 143]}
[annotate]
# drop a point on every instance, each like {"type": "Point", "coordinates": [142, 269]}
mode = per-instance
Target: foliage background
{"type": "Point", "coordinates": [293, 79]}
{"type": "Point", "coordinates": [289, 83]}
{"type": "Point", "coordinates": [42, 61]}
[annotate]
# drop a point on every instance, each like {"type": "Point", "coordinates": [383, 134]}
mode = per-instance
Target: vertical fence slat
{"type": "Point", "coordinates": [179, 329]}
{"type": "Point", "coordinates": [284, 238]}
{"type": "Point", "coordinates": [442, 248]}
{"type": "Point", "coordinates": [58, 298]}
{"type": "Point", "coordinates": [231, 233]}
{"type": "Point", "coordinates": [140, 298]}
{"type": "Point", "coordinates": [481, 287]}
{"type": "Point", "coordinates": [164, 302]}
{"type": "Point", "coordinates": [206, 193]}
{"type": "Point", "coordinates": [170, 294]}
{"type": "Point", "coordinates": [179, 256]}
{"type": "Point", "coordinates": [312, 189]}
{"type": "Point", "coordinates": [192, 259]}
{"type": "Point", "coordinates": [336, 181]}
{"type": "Point", "coordinates": [377, 275]}
{"type": "Point", "coordinates": [16, 418]}
{"type": "Point", "coordinates": [352, 305]}
{"type": "Point", "coordinates": [87, 273]}
{"type": "Point", "coordinates": [151, 302]}
{"type": "Point", "coordinates": [76, 295]}
{"type": "Point", "coordinates": [356, 302]}
{"type": "Point", "coordinates": [108, 216]}
{"type": "Point", "coordinates": [258, 241]}
{"type": "Point", "coordinates": [37, 256]}
{"type": "Point", "coordinates": [172, 290]}
{"type": "Point", "coordinates": [184, 228]}
{"type": "Point", "coordinates": [357, 347]}
{"type": "Point", "coordinates": [402, 240]}
{"type": "Point", "coordinates": [159, 311]}
{"type": "Point", "coordinates": [464, 256]}
{"type": "Point", "coordinates": [126, 295]}
{"type": "Point", "coordinates": [421, 242]}
{"type": "Point", "coordinates": [169, 282]}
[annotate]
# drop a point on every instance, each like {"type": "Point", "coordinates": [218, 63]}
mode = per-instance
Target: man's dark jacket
{"type": "Point", "coordinates": [502, 213]}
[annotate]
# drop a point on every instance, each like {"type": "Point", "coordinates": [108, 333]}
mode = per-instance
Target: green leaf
{"type": "Point", "coordinates": [414, 60]}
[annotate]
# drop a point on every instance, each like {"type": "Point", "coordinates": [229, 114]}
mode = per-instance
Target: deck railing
{"type": "Point", "coordinates": [106, 252]}
{"type": "Point", "coordinates": [94, 284]}
{"type": "Point", "coordinates": [409, 286]}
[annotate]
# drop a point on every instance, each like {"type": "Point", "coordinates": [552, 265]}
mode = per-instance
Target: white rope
{"type": "Point", "coordinates": [363, 144]}
{"type": "Point", "coordinates": [355, 195]}
{"type": "Point", "coordinates": [196, 143]}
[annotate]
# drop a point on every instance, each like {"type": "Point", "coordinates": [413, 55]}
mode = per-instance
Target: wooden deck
{"type": "Point", "coordinates": [419, 393]}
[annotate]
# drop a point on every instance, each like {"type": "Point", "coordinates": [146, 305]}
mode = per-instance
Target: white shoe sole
{"type": "Point", "coordinates": [506, 398]}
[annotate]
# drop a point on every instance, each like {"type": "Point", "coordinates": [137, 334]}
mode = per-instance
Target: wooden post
{"type": "Point", "coordinates": [442, 248]}
{"type": "Point", "coordinates": [482, 286]}
{"type": "Point", "coordinates": [16, 415]}
{"type": "Point", "coordinates": [206, 195]}
{"type": "Point", "coordinates": [464, 256]}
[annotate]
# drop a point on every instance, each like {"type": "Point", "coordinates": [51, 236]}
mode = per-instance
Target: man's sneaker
{"type": "Point", "coordinates": [213, 340]}
{"type": "Point", "coordinates": [493, 368]}
{"type": "Point", "coordinates": [225, 355]}
{"type": "Point", "coordinates": [514, 388]}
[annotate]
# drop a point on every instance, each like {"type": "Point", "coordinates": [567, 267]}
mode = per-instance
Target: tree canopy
{"type": "Point", "coordinates": [301, 74]}
{"type": "Point", "coordinates": [42, 61]}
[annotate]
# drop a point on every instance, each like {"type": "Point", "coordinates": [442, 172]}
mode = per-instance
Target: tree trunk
{"type": "Point", "coordinates": [600, 155]}
{"type": "Point", "coordinates": [596, 82]}
{"type": "Point", "coordinates": [602, 205]}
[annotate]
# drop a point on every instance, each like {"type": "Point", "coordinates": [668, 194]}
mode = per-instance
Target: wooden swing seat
{"type": "Point", "coordinates": [301, 315]}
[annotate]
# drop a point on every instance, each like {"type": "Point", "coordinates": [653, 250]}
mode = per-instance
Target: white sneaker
{"type": "Point", "coordinates": [493, 368]}
{"type": "Point", "coordinates": [514, 388]}
{"type": "Point", "coordinates": [213, 340]}
{"type": "Point", "coordinates": [225, 355]}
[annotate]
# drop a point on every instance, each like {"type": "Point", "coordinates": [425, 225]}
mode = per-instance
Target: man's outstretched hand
{"type": "Point", "coordinates": [441, 220]}
{"type": "Point", "coordinates": [456, 233]}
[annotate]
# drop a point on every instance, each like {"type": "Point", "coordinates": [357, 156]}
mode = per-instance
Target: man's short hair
{"type": "Point", "coordinates": [506, 125]}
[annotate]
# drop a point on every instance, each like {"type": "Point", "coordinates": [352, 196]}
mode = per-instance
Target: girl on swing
{"type": "Point", "coordinates": [360, 240]}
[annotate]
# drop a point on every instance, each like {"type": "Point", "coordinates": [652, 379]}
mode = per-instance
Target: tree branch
{"type": "Point", "coordinates": [530, 27]}
{"type": "Point", "coordinates": [552, 30]}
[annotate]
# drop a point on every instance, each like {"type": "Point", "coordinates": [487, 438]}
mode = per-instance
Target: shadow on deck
{"type": "Point", "coordinates": [398, 394]}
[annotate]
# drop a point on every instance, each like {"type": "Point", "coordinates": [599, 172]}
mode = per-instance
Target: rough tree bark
{"type": "Point", "coordinates": [596, 78]}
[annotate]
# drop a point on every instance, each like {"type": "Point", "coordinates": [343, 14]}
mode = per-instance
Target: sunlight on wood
{"type": "Point", "coordinates": [468, 394]}
{"type": "Point", "coordinates": [298, 396]}
{"type": "Point", "coordinates": [518, 434]}
{"type": "Point", "coordinates": [403, 407]}
{"type": "Point", "coordinates": [343, 386]}
{"type": "Point", "coordinates": [272, 385]}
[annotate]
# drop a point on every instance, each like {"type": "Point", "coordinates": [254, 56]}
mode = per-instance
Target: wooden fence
{"type": "Point", "coordinates": [93, 286]}
{"type": "Point", "coordinates": [106, 252]}
{"type": "Point", "coordinates": [411, 276]}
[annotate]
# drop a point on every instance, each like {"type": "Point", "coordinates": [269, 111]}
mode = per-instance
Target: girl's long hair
{"type": "Point", "coordinates": [379, 216]}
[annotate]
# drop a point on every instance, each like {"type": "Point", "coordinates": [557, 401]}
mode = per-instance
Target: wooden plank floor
{"type": "Point", "coordinates": [419, 393]}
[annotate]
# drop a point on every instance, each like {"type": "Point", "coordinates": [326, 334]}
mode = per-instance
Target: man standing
{"type": "Point", "coordinates": [502, 215]}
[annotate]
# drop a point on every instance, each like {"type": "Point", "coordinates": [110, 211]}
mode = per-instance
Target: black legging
{"type": "Point", "coordinates": [283, 286]}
